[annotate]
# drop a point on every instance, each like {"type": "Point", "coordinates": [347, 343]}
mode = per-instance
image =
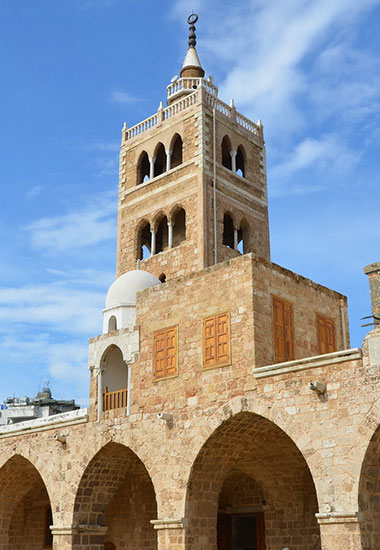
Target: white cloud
{"type": "Point", "coordinates": [93, 223]}
{"type": "Point", "coordinates": [123, 97]}
{"type": "Point", "coordinates": [54, 306]}
{"type": "Point", "coordinates": [34, 191]}
{"type": "Point", "coordinates": [328, 154]}
{"type": "Point", "coordinates": [112, 146]}
{"type": "Point", "coordinates": [269, 48]}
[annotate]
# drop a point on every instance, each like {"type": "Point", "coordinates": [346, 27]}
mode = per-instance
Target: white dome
{"type": "Point", "coordinates": [123, 291]}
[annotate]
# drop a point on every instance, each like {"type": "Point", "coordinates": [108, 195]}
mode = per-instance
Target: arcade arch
{"type": "Point", "coordinates": [249, 468]}
{"type": "Point", "coordinates": [116, 493]}
{"type": "Point", "coordinates": [369, 495]}
{"type": "Point", "coordinates": [25, 509]}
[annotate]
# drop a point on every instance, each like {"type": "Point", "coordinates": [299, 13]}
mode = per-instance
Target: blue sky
{"type": "Point", "coordinates": [73, 71]}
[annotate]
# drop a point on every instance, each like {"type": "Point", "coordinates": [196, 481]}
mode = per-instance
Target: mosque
{"type": "Point", "coordinates": [227, 409]}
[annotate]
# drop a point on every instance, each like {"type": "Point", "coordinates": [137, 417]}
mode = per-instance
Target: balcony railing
{"type": "Point", "coordinates": [189, 85]}
{"type": "Point", "coordinates": [114, 399]}
{"type": "Point", "coordinates": [204, 92]}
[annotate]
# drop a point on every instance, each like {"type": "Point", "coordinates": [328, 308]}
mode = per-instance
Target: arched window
{"type": "Point", "coordinates": [143, 168]}
{"type": "Point", "coordinates": [176, 148]}
{"type": "Point", "coordinates": [112, 323]}
{"type": "Point", "coordinates": [160, 160]}
{"type": "Point", "coordinates": [240, 161]}
{"type": "Point", "coordinates": [226, 153]}
{"type": "Point", "coordinates": [162, 235]}
{"type": "Point", "coordinates": [144, 242]}
{"type": "Point", "coordinates": [115, 379]}
{"type": "Point", "coordinates": [243, 237]}
{"type": "Point", "coordinates": [228, 231]}
{"type": "Point", "coordinates": [162, 278]}
{"type": "Point", "coordinates": [179, 227]}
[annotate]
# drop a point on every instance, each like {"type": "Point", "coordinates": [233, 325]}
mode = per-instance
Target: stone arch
{"type": "Point", "coordinates": [176, 148]}
{"type": "Point", "coordinates": [244, 237]}
{"type": "Point", "coordinates": [143, 168]}
{"type": "Point", "coordinates": [114, 378]}
{"type": "Point", "coordinates": [25, 507]}
{"type": "Point", "coordinates": [143, 240]}
{"type": "Point", "coordinates": [228, 229]}
{"type": "Point", "coordinates": [178, 219]}
{"type": "Point", "coordinates": [281, 483]}
{"type": "Point", "coordinates": [159, 159]}
{"type": "Point", "coordinates": [368, 487]}
{"type": "Point", "coordinates": [115, 496]}
{"type": "Point", "coordinates": [160, 225]}
{"type": "Point", "coordinates": [241, 161]}
{"type": "Point", "coordinates": [226, 152]}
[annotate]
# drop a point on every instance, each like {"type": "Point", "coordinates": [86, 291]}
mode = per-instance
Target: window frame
{"type": "Point", "coordinates": [293, 341]}
{"type": "Point", "coordinates": [325, 319]}
{"type": "Point", "coordinates": [154, 353]}
{"type": "Point", "coordinates": [217, 364]}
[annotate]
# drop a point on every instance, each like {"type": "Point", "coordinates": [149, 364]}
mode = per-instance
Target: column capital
{"type": "Point", "coordinates": [169, 523]}
{"type": "Point", "coordinates": [78, 529]}
{"type": "Point", "coordinates": [337, 517]}
{"type": "Point", "coordinates": [98, 370]}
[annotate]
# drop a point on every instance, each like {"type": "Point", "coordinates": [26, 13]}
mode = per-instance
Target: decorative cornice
{"type": "Point", "coordinates": [308, 363]}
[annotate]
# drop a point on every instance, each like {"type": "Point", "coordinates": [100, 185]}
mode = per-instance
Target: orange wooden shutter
{"type": "Point", "coordinates": [165, 353]}
{"type": "Point", "coordinates": [209, 342]}
{"type": "Point", "coordinates": [283, 330]}
{"type": "Point", "coordinates": [278, 330]}
{"type": "Point", "coordinates": [171, 352]}
{"type": "Point", "coordinates": [326, 334]}
{"type": "Point", "coordinates": [223, 339]}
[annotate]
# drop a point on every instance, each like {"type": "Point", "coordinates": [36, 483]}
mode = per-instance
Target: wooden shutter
{"type": "Point", "coordinates": [326, 334]}
{"type": "Point", "coordinates": [216, 340]}
{"type": "Point", "coordinates": [165, 353]}
{"type": "Point", "coordinates": [283, 333]}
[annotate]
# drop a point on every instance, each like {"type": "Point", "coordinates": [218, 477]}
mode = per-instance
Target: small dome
{"type": "Point", "coordinates": [123, 291]}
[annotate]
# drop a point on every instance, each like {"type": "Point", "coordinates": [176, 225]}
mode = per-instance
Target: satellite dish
{"type": "Point", "coordinates": [175, 77]}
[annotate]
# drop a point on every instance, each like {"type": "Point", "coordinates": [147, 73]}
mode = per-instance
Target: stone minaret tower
{"type": "Point", "coordinates": [192, 188]}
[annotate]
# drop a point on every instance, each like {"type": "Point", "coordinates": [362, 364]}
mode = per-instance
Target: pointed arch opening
{"type": "Point", "coordinates": [160, 160]}
{"type": "Point", "coordinates": [176, 148]}
{"type": "Point", "coordinates": [114, 379]}
{"type": "Point", "coordinates": [243, 237]}
{"type": "Point", "coordinates": [251, 483]}
{"type": "Point", "coordinates": [116, 493]}
{"type": "Point", "coordinates": [162, 235]}
{"type": "Point", "coordinates": [144, 241]}
{"type": "Point", "coordinates": [369, 495]}
{"type": "Point", "coordinates": [143, 168]}
{"type": "Point", "coordinates": [226, 152]}
{"type": "Point", "coordinates": [228, 230]}
{"type": "Point", "coordinates": [240, 161]}
{"type": "Point", "coordinates": [162, 278]}
{"type": "Point", "coordinates": [179, 227]}
{"type": "Point", "coordinates": [25, 508]}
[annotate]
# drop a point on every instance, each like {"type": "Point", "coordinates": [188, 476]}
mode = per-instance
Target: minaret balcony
{"type": "Point", "coordinates": [182, 86]}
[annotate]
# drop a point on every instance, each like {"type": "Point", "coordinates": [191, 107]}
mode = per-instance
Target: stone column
{"type": "Point", "coordinates": [236, 237]}
{"type": "Point", "coordinates": [233, 160]}
{"type": "Point", "coordinates": [151, 171]}
{"type": "Point", "coordinates": [80, 537]}
{"type": "Point", "coordinates": [373, 272]}
{"type": "Point", "coordinates": [170, 533]}
{"type": "Point", "coordinates": [340, 531]}
{"type": "Point", "coordinates": [99, 374]}
{"type": "Point", "coordinates": [168, 160]}
{"type": "Point", "coordinates": [153, 242]}
{"type": "Point", "coordinates": [170, 234]}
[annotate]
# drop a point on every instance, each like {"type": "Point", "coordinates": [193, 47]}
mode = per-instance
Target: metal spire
{"type": "Point", "coordinates": [192, 19]}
